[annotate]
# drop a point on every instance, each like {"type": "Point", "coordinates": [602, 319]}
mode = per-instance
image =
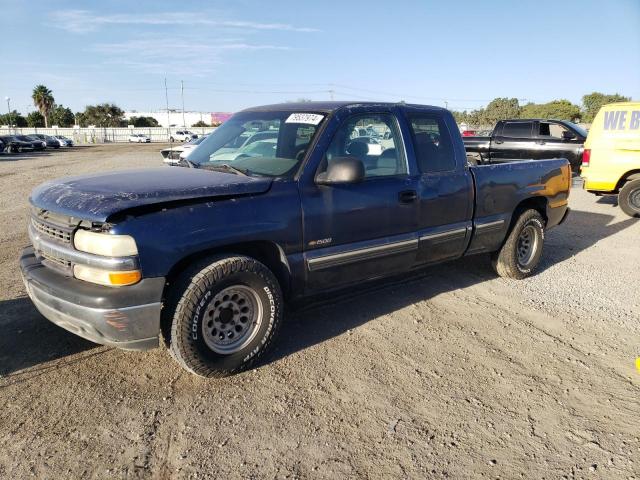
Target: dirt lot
{"type": "Point", "coordinates": [452, 373]}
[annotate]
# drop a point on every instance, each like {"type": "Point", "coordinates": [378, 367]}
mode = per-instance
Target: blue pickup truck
{"type": "Point", "coordinates": [202, 258]}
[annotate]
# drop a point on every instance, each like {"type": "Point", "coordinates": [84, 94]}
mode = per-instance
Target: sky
{"type": "Point", "coordinates": [232, 55]}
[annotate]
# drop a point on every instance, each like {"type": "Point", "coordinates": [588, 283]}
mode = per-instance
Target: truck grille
{"type": "Point", "coordinates": [53, 232]}
{"type": "Point", "coordinates": [54, 228]}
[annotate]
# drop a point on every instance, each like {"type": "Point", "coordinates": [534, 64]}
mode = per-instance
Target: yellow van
{"type": "Point", "coordinates": [611, 157]}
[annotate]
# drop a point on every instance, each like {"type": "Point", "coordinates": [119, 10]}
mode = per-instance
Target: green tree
{"type": "Point", "coordinates": [556, 109]}
{"type": "Point", "coordinates": [460, 117]}
{"type": "Point", "coordinates": [35, 120]}
{"type": "Point", "coordinates": [43, 100]}
{"type": "Point", "coordinates": [500, 109]}
{"type": "Point", "coordinates": [143, 122]}
{"type": "Point", "coordinates": [592, 102]}
{"type": "Point", "coordinates": [103, 115]}
{"type": "Point", "coordinates": [13, 119]}
{"type": "Point", "coordinates": [61, 116]}
{"type": "Point", "coordinates": [200, 123]}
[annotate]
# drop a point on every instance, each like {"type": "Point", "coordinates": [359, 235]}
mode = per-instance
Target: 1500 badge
{"type": "Point", "coordinates": [322, 241]}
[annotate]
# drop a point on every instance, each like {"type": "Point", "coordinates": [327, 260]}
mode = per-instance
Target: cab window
{"type": "Point", "coordinates": [517, 129]}
{"type": "Point", "coordinates": [374, 140]}
{"type": "Point", "coordinates": [552, 130]}
{"type": "Point", "coordinates": [432, 143]}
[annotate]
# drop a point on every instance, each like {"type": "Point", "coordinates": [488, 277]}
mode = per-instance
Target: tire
{"type": "Point", "coordinates": [521, 252]}
{"type": "Point", "coordinates": [629, 198]}
{"type": "Point", "coordinates": [223, 316]}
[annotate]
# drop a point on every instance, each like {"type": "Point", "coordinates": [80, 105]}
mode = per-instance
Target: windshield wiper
{"type": "Point", "coordinates": [189, 163]}
{"type": "Point", "coordinates": [225, 167]}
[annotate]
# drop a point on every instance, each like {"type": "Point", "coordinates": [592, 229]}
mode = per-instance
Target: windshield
{"type": "Point", "coordinates": [259, 143]}
{"type": "Point", "coordinates": [580, 130]}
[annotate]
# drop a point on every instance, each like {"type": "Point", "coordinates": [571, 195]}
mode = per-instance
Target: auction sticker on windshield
{"type": "Point", "coordinates": [310, 118]}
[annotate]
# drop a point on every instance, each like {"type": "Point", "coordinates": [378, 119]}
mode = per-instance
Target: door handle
{"type": "Point", "coordinates": [498, 142]}
{"type": "Point", "coordinates": [407, 196]}
{"type": "Point", "coordinates": [541, 142]}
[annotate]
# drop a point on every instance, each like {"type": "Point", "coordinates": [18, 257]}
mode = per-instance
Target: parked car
{"type": "Point", "coordinates": [182, 136]}
{"type": "Point", "coordinates": [3, 146]}
{"type": "Point", "coordinates": [611, 157]}
{"type": "Point", "coordinates": [51, 142]}
{"type": "Point", "coordinates": [171, 155]}
{"type": "Point", "coordinates": [14, 145]}
{"type": "Point", "coordinates": [209, 254]}
{"type": "Point", "coordinates": [522, 139]}
{"type": "Point", "coordinates": [189, 147]}
{"type": "Point", "coordinates": [139, 138]}
{"type": "Point", "coordinates": [64, 141]}
{"type": "Point", "coordinates": [36, 142]}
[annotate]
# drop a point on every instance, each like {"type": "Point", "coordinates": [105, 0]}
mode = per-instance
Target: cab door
{"type": "Point", "coordinates": [359, 231]}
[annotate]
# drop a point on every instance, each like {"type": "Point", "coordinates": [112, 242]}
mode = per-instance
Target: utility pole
{"type": "Point", "coordinates": [184, 124]}
{"type": "Point", "coordinates": [446, 105]}
{"type": "Point", "coordinates": [166, 97]}
{"type": "Point", "coordinates": [9, 111]}
{"type": "Point", "coordinates": [331, 91]}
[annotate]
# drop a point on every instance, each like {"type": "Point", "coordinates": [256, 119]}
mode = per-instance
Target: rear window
{"type": "Point", "coordinates": [432, 143]}
{"type": "Point", "coordinates": [517, 129]}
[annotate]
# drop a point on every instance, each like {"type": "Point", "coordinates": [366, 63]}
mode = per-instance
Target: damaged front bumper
{"type": "Point", "coordinates": [124, 317]}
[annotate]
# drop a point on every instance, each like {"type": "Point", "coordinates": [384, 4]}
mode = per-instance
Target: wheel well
{"type": "Point", "coordinates": [630, 175]}
{"type": "Point", "coordinates": [536, 203]}
{"type": "Point", "coordinates": [269, 253]}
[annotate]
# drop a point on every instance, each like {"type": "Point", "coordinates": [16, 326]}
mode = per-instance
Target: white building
{"type": "Point", "coordinates": [175, 117]}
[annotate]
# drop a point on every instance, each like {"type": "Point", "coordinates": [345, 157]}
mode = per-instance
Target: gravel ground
{"type": "Point", "coordinates": [452, 373]}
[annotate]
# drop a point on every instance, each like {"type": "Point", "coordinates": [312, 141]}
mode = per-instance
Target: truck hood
{"type": "Point", "coordinates": [97, 197]}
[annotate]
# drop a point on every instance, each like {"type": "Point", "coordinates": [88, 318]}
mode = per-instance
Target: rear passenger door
{"type": "Point", "coordinates": [445, 189]}
{"type": "Point", "coordinates": [514, 141]}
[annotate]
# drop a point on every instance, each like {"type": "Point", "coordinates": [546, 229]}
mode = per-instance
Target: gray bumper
{"type": "Point", "coordinates": [126, 317]}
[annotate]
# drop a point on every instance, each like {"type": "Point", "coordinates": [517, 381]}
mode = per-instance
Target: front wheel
{"type": "Point", "coordinates": [629, 198]}
{"type": "Point", "coordinates": [522, 250]}
{"type": "Point", "coordinates": [225, 317]}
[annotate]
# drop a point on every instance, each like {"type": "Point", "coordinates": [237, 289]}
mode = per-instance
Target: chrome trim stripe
{"type": "Point", "coordinates": [445, 235]}
{"type": "Point", "coordinates": [490, 225]}
{"type": "Point", "coordinates": [351, 256]}
{"type": "Point", "coordinates": [75, 256]}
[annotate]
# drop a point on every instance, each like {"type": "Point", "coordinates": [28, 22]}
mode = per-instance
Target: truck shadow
{"type": "Point", "coordinates": [30, 345]}
{"type": "Point", "coordinates": [318, 319]}
{"type": "Point", "coordinates": [28, 340]}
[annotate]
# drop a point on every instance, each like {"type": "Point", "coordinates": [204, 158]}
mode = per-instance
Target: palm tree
{"type": "Point", "coordinates": [43, 100]}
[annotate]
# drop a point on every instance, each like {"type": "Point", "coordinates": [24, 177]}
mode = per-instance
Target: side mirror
{"type": "Point", "coordinates": [342, 170]}
{"type": "Point", "coordinates": [567, 135]}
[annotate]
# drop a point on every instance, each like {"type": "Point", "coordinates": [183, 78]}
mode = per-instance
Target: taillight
{"type": "Point", "coordinates": [586, 157]}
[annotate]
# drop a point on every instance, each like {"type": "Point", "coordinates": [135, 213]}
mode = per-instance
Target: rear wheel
{"type": "Point", "coordinates": [629, 198]}
{"type": "Point", "coordinates": [225, 316]}
{"type": "Point", "coordinates": [522, 250]}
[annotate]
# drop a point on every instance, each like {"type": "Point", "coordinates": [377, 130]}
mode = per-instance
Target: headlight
{"type": "Point", "coordinates": [105, 244]}
{"type": "Point", "coordinates": [104, 277]}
